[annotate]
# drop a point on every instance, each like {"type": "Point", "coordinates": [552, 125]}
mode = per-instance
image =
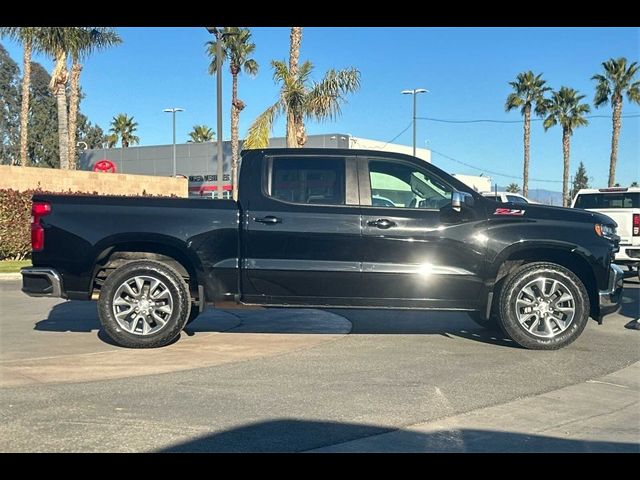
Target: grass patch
{"type": "Point", "coordinates": [13, 266]}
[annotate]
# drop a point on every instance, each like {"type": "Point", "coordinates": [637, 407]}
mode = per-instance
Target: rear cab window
{"type": "Point", "coordinates": [606, 200]}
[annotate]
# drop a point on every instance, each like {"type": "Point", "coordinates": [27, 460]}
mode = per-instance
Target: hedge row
{"type": "Point", "coordinates": [15, 221]}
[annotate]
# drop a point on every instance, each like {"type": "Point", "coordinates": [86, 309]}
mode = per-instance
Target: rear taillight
{"type": "Point", "coordinates": [38, 210]}
{"type": "Point", "coordinates": [636, 224]}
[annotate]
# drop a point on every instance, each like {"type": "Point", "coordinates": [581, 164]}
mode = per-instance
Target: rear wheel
{"type": "Point", "coordinates": [144, 304]}
{"type": "Point", "coordinates": [543, 306]}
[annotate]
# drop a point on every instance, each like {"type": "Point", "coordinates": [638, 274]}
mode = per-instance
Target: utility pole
{"type": "Point", "coordinates": [173, 111]}
{"type": "Point", "coordinates": [414, 92]}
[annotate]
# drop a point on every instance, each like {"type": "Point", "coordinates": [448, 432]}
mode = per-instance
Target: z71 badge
{"type": "Point", "coordinates": [509, 211]}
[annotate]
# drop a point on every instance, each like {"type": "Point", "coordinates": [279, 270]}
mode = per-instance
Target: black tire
{"type": "Point", "coordinates": [195, 311]}
{"type": "Point", "coordinates": [513, 287]}
{"type": "Point", "coordinates": [175, 321]}
{"type": "Point", "coordinates": [491, 323]}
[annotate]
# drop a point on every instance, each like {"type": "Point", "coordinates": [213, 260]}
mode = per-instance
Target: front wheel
{"type": "Point", "coordinates": [490, 323]}
{"type": "Point", "coordinates": [543, 306]}
{"type": "Point", "coordinates": [144, 304]}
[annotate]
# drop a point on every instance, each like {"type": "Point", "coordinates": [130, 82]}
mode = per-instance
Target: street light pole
{"type": "Point", "coordinates": [173, 111]}
{"type": "Point", "coordinates": [219, 158]}
{"type": "Point", "coordinates": [414, 92]}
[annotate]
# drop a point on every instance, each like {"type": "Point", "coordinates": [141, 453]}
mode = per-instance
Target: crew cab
{"type": "Point", "coordinates": [623, 206]}
{"type": "Point", "coordinates": [309, 230]}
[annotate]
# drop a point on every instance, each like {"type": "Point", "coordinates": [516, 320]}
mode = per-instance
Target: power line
{"type": "Point", "coordinates": [395, 138]}
{"type": "Point", "coordinates": [488, 120]}
{"type": "Point", "coordinates": [490, 171]}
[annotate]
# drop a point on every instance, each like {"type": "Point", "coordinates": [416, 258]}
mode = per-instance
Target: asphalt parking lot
{"type": "Point", "coordinates": [300, 380]}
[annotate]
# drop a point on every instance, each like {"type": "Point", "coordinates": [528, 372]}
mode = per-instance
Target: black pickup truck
{"type": "Point", "coordinates": [328, 228]}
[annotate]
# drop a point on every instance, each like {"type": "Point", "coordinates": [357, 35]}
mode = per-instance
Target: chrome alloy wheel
{"type": "Point", "coordinates": [142, 305]}
{"type": "Point", "coordinates": [545, 307]}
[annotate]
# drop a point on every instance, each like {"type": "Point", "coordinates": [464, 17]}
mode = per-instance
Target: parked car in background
{"type": "Point", "coordinates": [506, 197]}
{"type": "Point", "coordinates": [623, 206]}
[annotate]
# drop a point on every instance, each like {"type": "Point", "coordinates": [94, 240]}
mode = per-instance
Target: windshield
{"type": "Point", "coordinates": [608, 200]}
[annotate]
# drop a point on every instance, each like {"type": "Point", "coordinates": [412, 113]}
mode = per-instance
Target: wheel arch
{"type": "Point", "coordinates": [570, 257]}
{"type": "Point", "coordinates": [114, 253]}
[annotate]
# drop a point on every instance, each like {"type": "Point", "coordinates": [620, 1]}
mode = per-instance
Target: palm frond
{"type": "Point", "coordinates": [250, 67]}
{"type": "Point", "coordinates": [258, 133]}
{"type": "Point", "coordinates": [280, 70]}
{"type": "Point", "coordinates": [513, 102]}
{"type": "Point", "coordinates": [529, 92]}
{"type": "Point", "coordinates": [633, 93]}
{"type": "Point", "coordinates": [324, 99]}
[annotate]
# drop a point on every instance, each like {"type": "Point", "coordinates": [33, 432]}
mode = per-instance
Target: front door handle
{"type": "Point", "coordinates": [268, 219]}
{"type": "Point", "coordinates": [382, 223]}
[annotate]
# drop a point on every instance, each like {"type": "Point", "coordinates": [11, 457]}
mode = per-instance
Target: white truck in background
{"type": "Point", "coordinates": [623, 205]}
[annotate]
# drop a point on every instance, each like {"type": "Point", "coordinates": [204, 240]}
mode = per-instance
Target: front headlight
{"type": "Point", "coordinates": [606, 231]}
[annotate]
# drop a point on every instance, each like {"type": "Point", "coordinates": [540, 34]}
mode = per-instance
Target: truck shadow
{"type": "Point", "coordinates": [77, 316]}
{"type": "Point", "coordinates": [630, 300]}
{"type": "Point", "coordinates": [74, 316]}
{"type": "Point", "coordinates": [293, 435]}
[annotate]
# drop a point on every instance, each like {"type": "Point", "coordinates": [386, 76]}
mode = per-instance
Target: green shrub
{"type": "Point", "coordinates": [15, 220]}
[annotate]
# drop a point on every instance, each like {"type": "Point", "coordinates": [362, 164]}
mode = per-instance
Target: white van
{"type": "Point", "coordinates": [623, 205]}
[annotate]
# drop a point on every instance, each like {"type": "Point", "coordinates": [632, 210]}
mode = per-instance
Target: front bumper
{"type": "Point", "coordinates": [628, 254]}
{"type": "Point", "coordinates": [611, 298]}
{"type": "Point", "coordinates": [42, 282]}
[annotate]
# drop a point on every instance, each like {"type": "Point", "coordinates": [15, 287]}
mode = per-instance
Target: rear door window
{"type": "Point", "coordinates": [310, 180]}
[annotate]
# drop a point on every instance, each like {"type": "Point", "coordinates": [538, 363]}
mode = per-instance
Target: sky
{"type": "Point", "coordinates": [466, 71]}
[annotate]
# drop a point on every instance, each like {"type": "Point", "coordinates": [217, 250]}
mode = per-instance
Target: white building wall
{"type": "Point", "coordinates": [367, 144]}
{"type": "Point", "coordinates": [479, 184]}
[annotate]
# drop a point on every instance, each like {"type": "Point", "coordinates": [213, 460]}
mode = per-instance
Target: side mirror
{"type": "Point", "coordinates": [460, 198]}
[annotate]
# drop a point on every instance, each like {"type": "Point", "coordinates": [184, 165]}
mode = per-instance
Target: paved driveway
{"type": "Point", "coordinates": [271, 380]}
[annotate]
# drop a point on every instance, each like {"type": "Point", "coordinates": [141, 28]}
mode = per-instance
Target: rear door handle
{"type": "Point", "coordinates": [382, 223]}
{"type": "Point", "coordinates": [268, 219]}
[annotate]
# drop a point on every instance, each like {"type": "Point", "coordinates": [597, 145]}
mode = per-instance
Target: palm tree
{"type": "Point", "coordinates": [124, 127]}
{"type": "Point", "coordinates": [529, 92]}
{"type": "Point", "coordinates": [27, 36]}
{"type": "Point", "coordinates": [295, 122]}
{"type": "Point", "coordinates": [201, 134]}
{"type": "Point", "coordinates": [564, 108]}
{"type": "Point", "coordinates": [88, 40]}
{"type": "Point", "coordinates": [616, 81]}
{"type": "Point", "coordinates": [237, 47]}
{"type": "Point", "coordinates": [513, 188]}
{"type": "Point", "coordinates": [57, 41]}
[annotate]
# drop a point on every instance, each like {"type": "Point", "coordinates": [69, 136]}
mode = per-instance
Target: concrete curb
{"type": "Point", "coordinates": [599, 415]}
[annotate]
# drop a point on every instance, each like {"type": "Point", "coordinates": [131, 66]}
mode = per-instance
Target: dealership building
{"type": "Point", "coordinates": [198, 161]}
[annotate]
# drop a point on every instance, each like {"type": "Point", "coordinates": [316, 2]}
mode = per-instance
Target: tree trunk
{"type": "Point", "coordinates": [301, 134]}
{"type": "Point", "coordinates": [58, 84]}
{"type": "Point", "coordinates": [235, 114]}
{"type": "Point", "coordinates": [74, 100]}
{"type": "Point", "coordinates": [566, 137]}
{"type": "Point", "coordinates": [291, 130]}
{"type": "Point", "coordinates": [527, 133]}
{"type": "Point", "coordinates": [617, 113]}
{"type": "Point", "coordinates": [295, 123]}
{"type": "Point", "coordinates": [295, 38]}
{"type": "Point", "coordinates": [24, 110]}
